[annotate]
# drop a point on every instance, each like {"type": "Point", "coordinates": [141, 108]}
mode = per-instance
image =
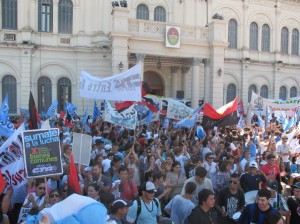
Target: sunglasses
{"type": "Point", "coordinates": [54, 196]}
{"type": "Point", "coordinates": [64, 190]}
{"type": "Point", "coordinates": [233, 182]}
{"type": "Point", "coordinates": [41, 188]}
{"type": "Point", "coordinates": [210, 157]}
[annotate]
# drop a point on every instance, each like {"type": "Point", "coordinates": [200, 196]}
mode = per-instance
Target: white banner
{"type": "Point", "coordinates": [81, 148]}
{"type": "Point", "coordinates": [12, 165]}
{"type": "Point", "coordinates": [177, 110]}
{"type": "Point", "coordinates": [127, 118]}
{"type": "Point", "coordinates": [126, 86]}
{"type": "Point", "coordinates": [259, 104]}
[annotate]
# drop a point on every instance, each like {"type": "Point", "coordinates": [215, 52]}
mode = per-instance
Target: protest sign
{"type": "Point", "coordinates": [81, 148]}
{"type": "Point", "coordinates": [122, 87]}
{"type": "Point", "coordinates": [23, 214]}
{"type": "Point", "coordinates": [12, 165]}
{"type": "Point", "coordinates": [41, 151]}
{"type": "Point", "coordinates": [259, 104]}
{"type": "Point", "coordinates": [127, 118]}
{"type": "Point", "coordinates": [177, 110]}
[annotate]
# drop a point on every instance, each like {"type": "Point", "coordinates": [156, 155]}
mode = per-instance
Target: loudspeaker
{"type": "Point", "coordinates": [180, 94]}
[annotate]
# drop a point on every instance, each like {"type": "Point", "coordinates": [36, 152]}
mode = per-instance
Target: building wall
{"type": "Point", "coordinates": [103, 37]}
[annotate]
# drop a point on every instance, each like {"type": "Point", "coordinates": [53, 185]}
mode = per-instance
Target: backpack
{"type": "Point", "coordinates": [139, 210]}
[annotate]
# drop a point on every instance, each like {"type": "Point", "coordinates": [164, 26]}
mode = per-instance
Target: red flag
{"type": "Point", "coordinates": [73, 182]}
{"type": "Point", "coordinates": [224, 116]}
{"type": "Point", "coordinates": [61, 115]}
{"type": "Point", "coordinates": [2, 183]}
{"type": "Point", "coordinates": [33, 114]}
{"type": "Point", "coordinates": [68, 120]}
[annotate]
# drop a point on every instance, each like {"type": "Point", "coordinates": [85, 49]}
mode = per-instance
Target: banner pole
{"type": "Point", "coordinates": [46, 187]}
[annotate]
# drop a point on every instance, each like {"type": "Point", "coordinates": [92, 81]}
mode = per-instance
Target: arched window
{"type": "Point", "coordinates": [265, 38]}
{"type": "Point", "coordinates": [253, 36]}
{"type": "Point", "coordinates": [284, 40]}
{"type": "Point", "coordinates": [251, 89]}
{"type": "Point", "coordinates": [44, 94]}
{"type": "Point", "coordinates": [159, 14]}
{"type": "Point", "coordinates": [10, 14]}
{"type": "Point", "coordinates": [232, 33]}
{"type": "Point", "coordinates": [231, 93]}
{"type": "Point", "coordinates": [9, 86]}
{"type": "Point", "coordinates": [295, 42]}
{"type": "Point", "coordinates": [293, 92]}
{"type": "Point", "coordinates": [65, 16]}
{"type": "Point", "coordinates": [45, 15]}
{"type": "Point", "coordinates": [64, 90]}
{"type": "Point", "coordinates": [264, 91]}
{"type": "Point", "coordinates": [142, 12]}
{"type": "Point", "coordinates": [282, 93]}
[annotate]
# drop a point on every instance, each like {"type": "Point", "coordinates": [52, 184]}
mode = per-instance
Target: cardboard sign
{"type": "Point", "coordinates": [81, 148]}
{"type": "Point", "coordinates": [23, 214]}
{"type": "Point", "coordinates": [41, 151]}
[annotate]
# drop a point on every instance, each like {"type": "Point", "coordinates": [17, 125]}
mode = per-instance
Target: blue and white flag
{"type": "Point", "coordinates": [25, 113]}
{"type": "Point", "coordinates": [241, 123]}
{"type": "Point", "coordinates": [261, 122]}
{"type": "Point", "coordinates": [190, 120]}
{"type": "Point", "coordinates": [281, 118]}
{"type": "Point", "coordinates": [4, 110]}
{"type": "Point", "coordinates": [69, 107]}
{"type": "Point", "coordinates": [287, 125]}
{"type": "Point", "coordinates": [52, 108]}
{"type": "Point", "coordinates": [6, 128]}
{"type": "Point", "coordinates": [85, 117]}
{"type": "Point", "coordinates": [96, 111]}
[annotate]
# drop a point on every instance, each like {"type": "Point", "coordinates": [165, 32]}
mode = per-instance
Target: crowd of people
{"type": "Point", "coordinates": [158, 174]}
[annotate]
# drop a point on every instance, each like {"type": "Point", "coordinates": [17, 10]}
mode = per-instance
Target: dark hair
{"type": "Point", "coordinates": [55, 190]}
{"type": "Point", "coordinates": [39, 181]}
{"type": "Point", "coordinates": [190, 187]}
{"type": "Point", "coordinates": [66, 147]}
{"type": "Point", "coordinates": [156, 176]}
{"type": "Point", "coordinates": [196, 159]}
{"type": "Point", "coordinates": [207, 155]}
{"type": "Point", "coordinates": [200, 172]}
{"type": "Point", "coordinates": [203, 195]}
{"type": "Point", "coordinates": [264, 193]}
{"type": "Point", "coordinates": [272, 217]}
{"type": "Point", "coordinates": [115, 160]}
{"type": "Point", "coordinates": [95, 186]}
{"type": "Point", "coordinates": [234, 175]}
{"type": "Point", "coordinates": [107, 198]}
{"type": "Point", "coordinates": [122, 169]}
{"type": "Point", "coordinates": [175, 163]}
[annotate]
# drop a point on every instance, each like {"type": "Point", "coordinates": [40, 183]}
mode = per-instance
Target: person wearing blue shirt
{"type": "Point", "coordinates": [258, 211]}
{"type": "Point", "coordinates": [147, 210]}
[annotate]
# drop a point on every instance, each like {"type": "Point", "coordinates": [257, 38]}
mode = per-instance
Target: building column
{"type": "Point", "coordinates": [185, 81]}
{"type": "Point", "coordinates": [195, 82]}
{"type": "Point", "coordinates": [174, 80]}
{"type": "Point", "coordinates": [55, 17]}
{"type": "Point", "coordinates": [206, 79]}
{"type": "Point", "coordinates": [140, 59]}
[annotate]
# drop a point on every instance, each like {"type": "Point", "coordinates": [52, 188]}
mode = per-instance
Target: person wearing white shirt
{"type": "Point", "coordinates": [283, 151]}
{"type": "Point", "coordinates": [106, 162]}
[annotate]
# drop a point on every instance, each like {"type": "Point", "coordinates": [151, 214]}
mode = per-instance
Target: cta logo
{"type": "Point", "coordinates": [48, 169]}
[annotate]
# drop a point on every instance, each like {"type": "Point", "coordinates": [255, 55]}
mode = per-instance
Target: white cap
{"type": "Point", "coordinates": [253, 164]}
{"type": "Point", "coordinates": [149, 187]}
{"type": "Point", "coordinates": [108, 147]}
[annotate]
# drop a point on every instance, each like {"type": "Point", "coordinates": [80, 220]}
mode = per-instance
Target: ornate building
{"type": "Point", "coordinates": [200, 49]}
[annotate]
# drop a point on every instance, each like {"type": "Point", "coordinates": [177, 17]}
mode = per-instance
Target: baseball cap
{"type": "Point", "coordinates": [296, 185]}
{"type": "Point", "coordinates": [107, 147]}
{"type": "Point", "coordinates": [253, 164]}
{"type": "Point", "coordinates": [149, 187]}
{"type": "Point", "coordinates": [272, 184]}
{"type": "Point", "coordinates": [118, 204]}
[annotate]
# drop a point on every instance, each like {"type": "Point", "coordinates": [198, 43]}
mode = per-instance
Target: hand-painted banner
{"type": "Point", "coordinates": [126, 86]}
{"type": "Point", "coordinates": [177, 110]}
{"type": "Point", "coordinates": [259, 103]}
{"type": "Point", "coordinates": [12, 165]}
{"type": "Point", "coordinates": [127, 118]}
{"type": "Point", "coordinates": [41, 152]}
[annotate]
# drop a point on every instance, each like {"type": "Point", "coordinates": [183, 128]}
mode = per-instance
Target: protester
{"type": "Point", "coordinates": [150, 210]}
{"type": "Point", "coordinates": [36, 199]}
{"type": "Point", "coordinates": [202, 213]}
{"type": "Point", "coordinates": [119, 209]}
{"type": "Point", "coordinates": [294, 204]}
{"type": "Point", "coordinates": [181, 206]}
{"type": "Point", "coordinates": [258, 211]}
